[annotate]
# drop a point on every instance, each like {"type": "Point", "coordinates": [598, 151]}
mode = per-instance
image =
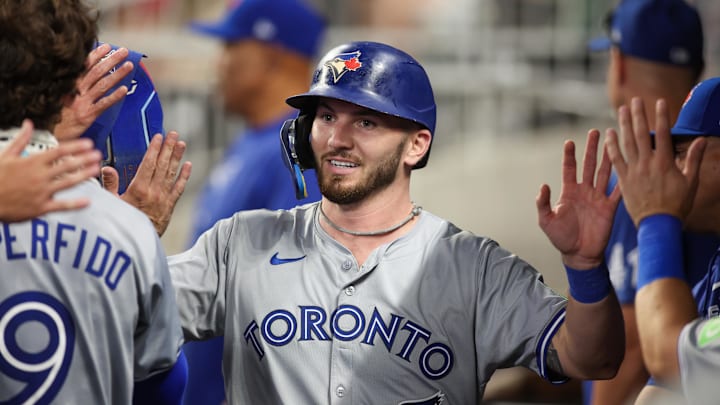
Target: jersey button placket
{"type": "Point", "coordinates": [341, 368]}
{"type": "Point", "coordinates": [340, 374]}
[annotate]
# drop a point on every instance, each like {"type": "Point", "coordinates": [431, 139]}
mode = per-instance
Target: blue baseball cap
{"type": "Point", "coordinates": [665, 31]}
{"type": "Point", "coordinates": [122, 133]}
{"type": "Point", "coordinates": [700, 114]}
{"type": "Point", "coordinates": [140, 118]}
{"type": "Point", "coordinates": [291, 24]}
{"type": "Point", "coordinates": [101, 127]}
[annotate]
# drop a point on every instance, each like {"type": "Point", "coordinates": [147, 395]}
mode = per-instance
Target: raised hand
{"type": "Point", "coordinates": [91, 100]}
{"type": "Point", "coordinates": [579, 224]}
{"type": "Point", "coordinates": [28, 184]}
{"type": "Point", "coordinates": [650, 180]}
{"type": "Point", "coordinates": [159, 182]}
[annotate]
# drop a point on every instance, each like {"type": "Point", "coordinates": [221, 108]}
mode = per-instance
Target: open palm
{"type": "Point", "coordinates": [579, 224]}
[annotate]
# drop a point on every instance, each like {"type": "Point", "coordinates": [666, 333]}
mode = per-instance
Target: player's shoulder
{"type": "Point", "coordinates": [278, 221]}
{"type": "Point", "coordinates": [105, 201]}
{"type": "Point", "coordinates": [106, 208]}
{"type": "Point", "coordinates": [453, 236]}
{"type": "Point", "coordinates": [469, 256]}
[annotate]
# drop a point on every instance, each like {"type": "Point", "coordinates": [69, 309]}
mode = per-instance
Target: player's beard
{"type": "Point", "coordinates": [380, 177]}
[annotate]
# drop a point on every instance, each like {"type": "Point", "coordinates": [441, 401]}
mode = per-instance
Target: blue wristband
{"type": "Point", "coordinates": [589, 286]}
{"type": "Point", "coordinates": [660, 249]}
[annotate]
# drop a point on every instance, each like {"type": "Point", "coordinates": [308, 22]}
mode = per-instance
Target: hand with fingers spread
{"type": "Point", "coordinates": [159, 182]}
{"type": "Point", "coordinates": [579, 225]}
{"type": "Point", "coordinates": [27, 184]}
{"type": "Point", "coordinates": [650, 181]}
{"type": "Point", "coordinates": [91, 100]}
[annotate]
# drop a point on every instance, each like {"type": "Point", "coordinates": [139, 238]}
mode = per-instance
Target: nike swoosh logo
{"type": "Point", "coordinates": [275, 260]}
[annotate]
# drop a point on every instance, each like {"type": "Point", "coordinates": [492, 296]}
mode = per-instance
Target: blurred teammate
{"type": "Point", "coordinates": [656, 51]}
{"type": "Point", "coordinates": [666, 189]}
{"type": "Point", "coordinates": [364, 297]}
{"type": "Point", "coordinates": [268, 55]}
{"type": "Point", "coordinates": [87, 310]}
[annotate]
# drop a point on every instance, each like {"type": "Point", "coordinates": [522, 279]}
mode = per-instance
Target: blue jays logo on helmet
{"type": "Point", "coordinates": [343, 63]}
{"type": "Point", "coordinates": [435, 399]}
{"type": "Point", "coordinates": [689, 95]}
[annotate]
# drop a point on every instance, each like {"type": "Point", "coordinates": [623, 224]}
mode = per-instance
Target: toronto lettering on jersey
{"type": "Point", "coordinates": [58, 241]}
{"type": "Point", "coordinates": [280, 327]}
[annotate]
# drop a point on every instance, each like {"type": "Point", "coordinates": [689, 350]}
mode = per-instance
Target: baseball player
{"type": "Point", "coordinates": [367, 298]}
{"type": "Point", "coordinates": [655, 50]}
{"type": "Point", "coordinates": [666, 189]}
{"type": "Point", "coordinates": [87, 309]}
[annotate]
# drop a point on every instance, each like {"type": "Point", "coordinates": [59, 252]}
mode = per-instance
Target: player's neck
{"type": "Point", "coordinates": [381, 209]}
{"type": "Point", "coordinates": [415, 211]}
{"type": "Point", "coordinates": [364, 226]}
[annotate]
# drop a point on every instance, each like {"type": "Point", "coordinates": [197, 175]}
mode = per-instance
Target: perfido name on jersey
{"type": "Point", "coordinates": [65, 243]}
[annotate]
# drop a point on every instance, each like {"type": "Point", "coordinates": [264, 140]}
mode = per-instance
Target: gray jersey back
{"type": "Point", "coordinates": [86, 304]}
{"type": "Point", "coordinates": [699, 357]}
{"type": "Point", "coordinates": [427, 319]}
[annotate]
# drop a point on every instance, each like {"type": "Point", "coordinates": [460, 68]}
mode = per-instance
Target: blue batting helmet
{"type": "Point", "coordinates": [122, 133]}
{"type": "Point", "coordinates": [372, 75]}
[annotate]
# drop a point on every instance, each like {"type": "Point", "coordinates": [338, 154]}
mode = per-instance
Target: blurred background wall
{"type": "Point", "coordinates": [512, 78]}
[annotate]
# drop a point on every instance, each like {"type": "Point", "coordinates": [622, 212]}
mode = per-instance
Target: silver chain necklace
{"type": "Point", "coordinates": [413, 213]}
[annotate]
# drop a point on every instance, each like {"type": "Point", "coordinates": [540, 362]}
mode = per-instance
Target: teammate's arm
{"type": "Point", "coordinates": [27, 184]}
{"type": "Point", "coordinates": [632, 375]}
{"type": "Point", "coordinates": [658, 196]}
{"type": "Point", "coordinates": [164, 388]}
{"type": "Point", "coordinates": [591, 342]}
{"type": "Point", "coordinates": [160, 367]}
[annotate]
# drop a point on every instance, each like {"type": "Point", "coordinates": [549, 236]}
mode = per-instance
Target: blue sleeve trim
{"type": "Point", "coordinates": [165, 388]}
{"type": "Point", "coordinates": [660, 249]}
{"type": "Point", "coordinates": [542, 348]}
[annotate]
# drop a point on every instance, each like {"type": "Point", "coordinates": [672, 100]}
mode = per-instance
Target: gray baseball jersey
{"type": "Point", "coordinates": [426, 320]}
{"type": "Point", "coordinates": [699, 357]}
{"type": "Point", "coordinates": [86, 304]}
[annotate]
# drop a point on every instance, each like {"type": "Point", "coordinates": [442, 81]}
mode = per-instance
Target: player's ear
{"type": "Point", "coordinates": [618, 63]}
{"type": "Point", "coordinates": [418, 146]}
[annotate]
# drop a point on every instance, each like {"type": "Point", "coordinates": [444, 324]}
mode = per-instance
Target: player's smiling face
{"type": "Point", "coordinates": [358, 151]}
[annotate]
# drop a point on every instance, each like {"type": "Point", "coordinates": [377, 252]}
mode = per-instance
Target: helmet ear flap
{"type": "Point", "coordinates": [303, 126]}
{"type": "Point", "coordinates": [296, 150]}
